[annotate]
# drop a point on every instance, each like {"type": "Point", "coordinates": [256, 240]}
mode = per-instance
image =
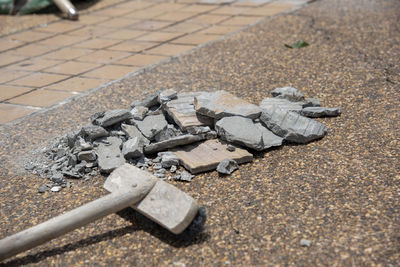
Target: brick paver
{"type": "Point", "coordinates": [50, 63]}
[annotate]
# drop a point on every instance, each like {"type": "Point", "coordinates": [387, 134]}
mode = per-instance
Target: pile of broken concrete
{"type": "Point", "coordinates": [176, 135]}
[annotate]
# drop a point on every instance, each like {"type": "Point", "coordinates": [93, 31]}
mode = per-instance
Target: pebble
{"type": "Point", "coordinates": [230, 148]}
{"type": "Point", "coordinates": [227, 166]}
{"type": "Point", "coordinates": [56, 188]}
{"type": "Point", "coordinates": [305, 243]}
{"type": "Point", "coordinates": [173, 168]}
{"type": "Point", "coordinates": [42, 189]}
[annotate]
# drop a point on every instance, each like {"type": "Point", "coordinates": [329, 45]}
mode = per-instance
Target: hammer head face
{"type": "Point", "coordinates": [165, 204]}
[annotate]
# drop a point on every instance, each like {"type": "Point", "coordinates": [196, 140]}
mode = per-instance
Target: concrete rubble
{"type": "Point", "coordinates": [176, 135]}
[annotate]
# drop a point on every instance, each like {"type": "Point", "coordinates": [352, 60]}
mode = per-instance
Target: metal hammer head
{"type": "Point", "coordinates": [164, 204]}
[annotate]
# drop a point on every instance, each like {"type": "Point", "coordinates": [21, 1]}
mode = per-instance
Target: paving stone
{"type": "Point", "coordinates": [173, 142]}
{"type": "Point", "coordinates": [109, 156]}
{"type": "Point", "coordinates": [269, 138]}
{"type": "Point", "coordinates": [88, 155]}
{"type": "Point", "coordinates": [205, 156]}
{"type": "Point", "coordinates": [284, 104]}
{"type": "Point", "coordinates": [221, 104]}
{"type": "Point", "coordinates": [289, 93]}
{"type": "Point", "coordinates": [227, 166]}
{"type": "Point", "coordinates": [112, 117]}
{"type": "Point", "coordinates": [151, 125]}
{"type": "Point", "coordinates": [132, 131]}
{"type": "Point", "coordinates": [317, 112]}
{"type": "Point", "coordinates": [167, 95]}
{"type": "Point", "coordinates": [240, 130]}
{"type": "Point", "coordinates": [139, 112]}
{"type": "Point", "coordinates": [169, 159]}
{"type": "Point", "coordinates": [182, 111]}
{"type": "Point", "coordinates": [132, 148]}
{"type": "Point", "coordinates": [92, 132]}
{"type": "Point", "coordinates": [292, 126]}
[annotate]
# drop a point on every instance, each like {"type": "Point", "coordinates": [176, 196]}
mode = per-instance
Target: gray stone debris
{"type": "Point", "coordinates": [292, 126]}
{"type": "Point", "coordinates": [151, 125]}
{"type": "Point", "coordinates": [227, 166]}
{"type": "Point", "coordinates": [92, 132]}
{"type": "Point", "coordinates": [317, 112]}
{"type": "Point", "coordinates": [109, 154]}
{"type": "Point", "coordinates": [132, 131]}
{"type": "Point", "coordinates": [112, 117]}
{"type": "Point", "coordinates": [284, 104]}
{"type": "Point", "coordinates": [150, 101]}
{"type": "Point", "coordinates": [173, 168]}
{"type": "Point", "coordinates": [198, 129]}
{"type": "Point", "coordinates": [289, 93]}
{"type": "Point", "coordinates": [173, 142]}
{"type": "Point", "coordinates": [268, 137]}
{"type": "Point", "coordinates": [230, 148]}
{"type": "Point", "coordinates": [186, 176]}
{"type": "Point", "coordinates": [166, 96]}
{"type": "Point", "coordinates": [56, 188]}
{"type": "Point", "coordinates": [168, 133]}
{"type": "Point", "coordinates": [42, 189]}
{"type": "Point", "coordinates": [139, 112]}
{"type": "Point", "coordinates": [168, 159]}
{"type": "Point", "coordinates": [221, 104]}
{"type": "Point", "coordinates": [305, 243]}
{"type": "Point", "coordinates": [312, 102]}
{"type": "Point", "coordinates": [132, 148]}
{"type": "Point", "coordinates": [87, 155]}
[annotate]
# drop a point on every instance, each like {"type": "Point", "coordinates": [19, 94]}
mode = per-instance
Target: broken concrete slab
{"type": "Point", "coordinates": [269, 139]}
{"type": "Point", "coordinates": [139, 112]}
{"type": "Point", "coordinates": [109, 154]}
{"type": "Point", "coordinates": [132, 131]}
{"type": "Point", "coordinates": [182, 111]}
{"type": "Point", "coordinates": [284, 104]}
{"type": "Point", "coordinates": [227, 166]}
{"type": "Point", "coordinates": [240, 130]}
{"type": "Point", "coordinates": [112, 117]}
{"type": "Point", "coordinates": [167, 95]}
{"type": "Point", "coordinates": [132, 148]}
{"type": "Point", "coordinates": [205, 156]}
{"type": "Point", "coordinates": [289, 93]}
{"type": "Point", "coordinates": [167, 133]}
{"type": "Point", "coordinates": [87, 155]}
{"type": "Point", "coordinates": [92, 132]}
{"type": "Point", "coordinates": [292, 126]}
{"type": "Point", "coordinates": [169, 159]}
{"type": "Point", "coordinates": [173, 142]}
{"type": "Point", "coordinates": [222, 104]}
{"type": "Point", "coordinates": [317, 112]}
{"type": "Point", "coordinates": [151, 125]}
{"type": "Point", "coordinates": [150, 101]}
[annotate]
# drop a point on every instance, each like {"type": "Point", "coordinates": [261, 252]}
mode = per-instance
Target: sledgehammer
{"type": "Point", "coordinates": [129, 186]}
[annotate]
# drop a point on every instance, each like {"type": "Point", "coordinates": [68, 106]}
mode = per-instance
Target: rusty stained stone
{"type": "Point", "coordinates": [183, 112]}
{"type": "Point", "coordinates": [206, 156]}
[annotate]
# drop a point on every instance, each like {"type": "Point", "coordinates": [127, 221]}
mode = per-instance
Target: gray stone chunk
{"type": "Point", "coordinates": [88, 155]}
{"type": "Point", "coordinates": [240, 130]}
{"type": "Point", "coordinates": [133, 148]}
{"type": "Point", "coordinates": [169, 159]}
{"type": "Point", "coordinates": [92, 132]}
{"type": "Point", "coordinates": [198, 129]}
{"type": "Point", "coordinates": [150, 101]}
{"type": "Point", "coordinates": [269, 138]}
{"type": "Point", "coordinates": [289, 93]}
{"type": "Point", "coordinates": [311, 102]}
{"type": "Point", "coordinates": [271, 103]}
{"type": "Point", "coordinates": [305, 243]}
{"type": "Point", "coordinates": [166, 96]}
{"type": "Point", "coordinates": [222, 104]}
{"type": "Point", "coordinates": [109, 154]}
{"type": "Point", "coordinates": [173, 142]}
{"type": "Point", "coordinates": [139, 112]}
{"type": "Point", "coordinates": [167, 133]}
{"type": "Point", "coordinates": [132, 131]}
{"type": "Point", "coordinates": [227, 166]}
{"type": "Point", "coordinates": [316, 112]}
{"type": "Point", "coordinates": [186, 176]}
{"type": "Point", "coordinates": [151, 125]}
{"type": "Point", "coordinates": [42, 189]}
{"type": "Point", "coordinates": [292, 126]}
{"type": "Point", "coordinates": [112, 117]}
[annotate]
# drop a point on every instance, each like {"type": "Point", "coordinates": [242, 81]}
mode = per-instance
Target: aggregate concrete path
{"type": "Point", "coordinates": [342, 192]}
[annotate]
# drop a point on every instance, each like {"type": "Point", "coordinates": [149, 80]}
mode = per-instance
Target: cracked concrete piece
{"type": "Point", "coordinates": [132, 131]}
{"type": "Point", "coordinates": [88, 155]}
{"type": "Point", "coordinates": [316, 112]}
{"type": "Point", "coordinates": [289, 93]}
{"type": "Point", "coordinates": [198, 129]}
{"type": "Point", "coordinates": [173, 142]}
{"type": "Point", "coordinates": [182, 111]}
{"type": "Point", "coordinates": [150, 101]}
{"type": "Point", "coordinates": [112, 117]}
{"type": "Point", "coordinates": [292, 126]}
{"type": "Point", "coordinates": [284, 104]}
{"type": "Point", "coordinates": [205, 156]}
{"type": "Point", "coordinates": [151, 125]}
{"type": "Point", "coordinates": [221, 104]}
{"type": "Point", "coordinates": [269, 138]}
{"type": "Point", "coordinates": [311, 102]}
{"type": "Point", "coordinates": [92, 132]}
{"type": "Point", "coordinates": [167, 95]}
{"type": "Point", "coordinates": [139, 112]}
{"type": "Point", "coordinates": [227, 166]}
{"type": "Point", "coordinates": [133, 148]}
{"type": "Point", "coordinates": [109, 154]}
{"type": "Point", "coordinates": [167, 133]}
{"type": "Point", "coordinates": [169, 159]}
{"type": "Point", "coordinates": [240, 130]}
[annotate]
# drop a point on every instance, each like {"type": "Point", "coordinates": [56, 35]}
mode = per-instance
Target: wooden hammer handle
{"type": "Point", "coordinates": [71, 220]}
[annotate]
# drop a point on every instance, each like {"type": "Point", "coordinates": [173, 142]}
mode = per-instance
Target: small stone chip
{"type": "Point", "coordinates": [227, 166]}
{"type": "Point", "coordinates": [305, 243]}
{"type": "Point", "coordinates": [56, 188]}
{"type": "Point", "coordinates": [42, 189]}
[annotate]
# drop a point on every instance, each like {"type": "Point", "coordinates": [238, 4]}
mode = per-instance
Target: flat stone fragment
{"type": "Point", "coordinates": [92, 132]}
{"type": "Point", "coordinates": [167, 95]}
{"type": "Point", "coordinates": [311, 102]}
{"type": "Point", "coordinates": [222, 104]}
{"type": "Point", "coordinates": [150, 101]}
{"type": "Point", "coordinates": [289, 93]}
{"type": "Point", "coordinates": [87, 155]}
{"type": "Point", "coordinates": [206, 156]}
{"type": "Point", "coordinates": [112, 117]}
{"type": "Point", "coordinates": [139, 112]}
{"type": "Point", "coordinates": [183, 113]}
{"type": "Point", "coordinates": [292, 126]}
{"type": "Point", "coordinates": [167, 133]}
{"type": "Point", "coordinates": [305, 243]}
{"type": "Point", "coordinates": [173, 142]}
{"type": "Point", "coordinates": [240, 130]}
{"type": "Point", "coordinates": [284, 104]}
{"type": "Point", "coordinates": [185, 176]}
{"type": "Point", "coordinates": [151, 125]}
{"type": "Point", "coordinates": [268, 137]}
{"type": "Point", "coordinates": [132, 148]}
{"type": "Point", "coordinates": [109, 154]}
{"type": "Point", "coordinates": [317, 112]}
{"type": "Point", "coordinates": [227, 166]}
{"type": "Point", "coordinates": [169, 159]}
{"type": "Point", "coordinates": [132, 131]}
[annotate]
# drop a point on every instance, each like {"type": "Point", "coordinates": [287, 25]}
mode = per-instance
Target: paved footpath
{"type": "Point", "coordinates": [342, 192]}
